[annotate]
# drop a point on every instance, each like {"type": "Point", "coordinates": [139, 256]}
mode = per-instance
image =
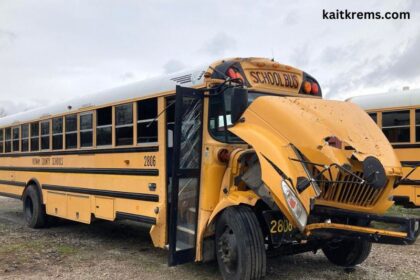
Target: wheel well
{"type": "Point", "coordinates": [37, 185]}
{"type": "Point", "coordinates": [258, 209]}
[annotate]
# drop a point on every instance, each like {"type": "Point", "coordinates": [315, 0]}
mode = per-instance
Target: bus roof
{"type": "Point", "coordinates": [261, 74]}
{"type": "Point", "coordinates": [164, 83]}
{"type": "Point", "coordinates": [392, 99]}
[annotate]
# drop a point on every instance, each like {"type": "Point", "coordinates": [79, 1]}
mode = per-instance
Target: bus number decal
{"type": "Point", "coordinates": [279, 226]}
{"type": "Point", "coordinates": [149, 160]}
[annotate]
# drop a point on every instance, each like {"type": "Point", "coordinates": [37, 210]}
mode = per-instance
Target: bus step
{"type": "Point", "coordinates": [182, 245]}
{"type": "Point", "coordinates": [185, 233]}
{"type": "Point", "coordinates": [186, 229]}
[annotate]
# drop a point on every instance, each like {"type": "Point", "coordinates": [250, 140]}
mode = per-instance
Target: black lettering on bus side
{"type": "Point", "coordinates": [149, 160]}
{"type": "Point", "coordinates": [45, 161]}
{"type": "Point", "coordinates": [270, 78]}
{"type": "Point", "coordinates": [286, 80]}
{"type": "Point", "coordinates": [295, 81]}
{"type": "Point", "coordinates": [277, 79]}
{"type": "Point", "coordinates": [255, 76]}
{"type": "Point", "coordinates": [57, 161]}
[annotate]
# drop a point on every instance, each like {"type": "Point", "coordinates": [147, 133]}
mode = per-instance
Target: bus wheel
{"type": "Point", "coordinates": [240, 246]}
{"type": "Point", "coordinates": [33, 210]}
{"type": "Point", "coordinates": [347, 253]}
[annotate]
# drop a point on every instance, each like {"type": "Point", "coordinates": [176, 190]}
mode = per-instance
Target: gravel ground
{"type": "Point", "coordinates": [124, 250]}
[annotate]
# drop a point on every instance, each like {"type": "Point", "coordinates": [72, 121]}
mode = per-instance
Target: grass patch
{"type": "Point", "coordinates": [66, 250]}
{"type": "Point", "coordinates": [398, 211]}
{"type": "Point", "coordinates": [20, 247]}
{"type": "Point", "coordinates": [404, 212]}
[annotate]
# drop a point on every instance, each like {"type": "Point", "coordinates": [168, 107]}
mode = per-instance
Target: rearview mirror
{"type": "Point", "coordinates": [239, 103]}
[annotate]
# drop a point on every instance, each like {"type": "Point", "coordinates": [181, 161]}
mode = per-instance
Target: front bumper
{"type": "Point", "coordinates": [404, 231]}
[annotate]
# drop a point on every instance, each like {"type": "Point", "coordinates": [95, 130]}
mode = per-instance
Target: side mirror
{"type": "Point", "coordinates": [239, 103]}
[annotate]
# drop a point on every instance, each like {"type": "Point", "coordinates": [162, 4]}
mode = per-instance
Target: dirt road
{"type": "Point", "coordinates": [124, 250]}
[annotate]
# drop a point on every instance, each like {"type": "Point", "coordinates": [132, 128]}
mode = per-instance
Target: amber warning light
{"type": "Point", "coordinates": [310, 88]}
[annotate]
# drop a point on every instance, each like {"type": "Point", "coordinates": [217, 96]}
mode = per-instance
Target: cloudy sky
{"type": "Point", "coordinates": [55, 50]}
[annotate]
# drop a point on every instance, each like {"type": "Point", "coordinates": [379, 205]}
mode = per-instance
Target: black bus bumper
{"type": "Point", "coordinates": [392, 230]}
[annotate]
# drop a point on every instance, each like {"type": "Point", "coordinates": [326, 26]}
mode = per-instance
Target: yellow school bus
{"type": "Point", "coordinates": [397, 113]}
{"type": "Point", "coordinates": [226, 161]}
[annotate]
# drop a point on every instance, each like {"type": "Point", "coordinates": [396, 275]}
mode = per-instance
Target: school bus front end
{"type": "Point", "coordinates": [304, 174]}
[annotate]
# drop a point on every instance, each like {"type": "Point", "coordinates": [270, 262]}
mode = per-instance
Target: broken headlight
{"type": "Point", "coordinates": [295, 206]}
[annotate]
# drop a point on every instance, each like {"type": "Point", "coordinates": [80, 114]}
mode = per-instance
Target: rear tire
{"type": "Point", "coordinates": [347, 253]}
{"type": "Point", "coordinates": [240, 246]}
{"type": "Point", "coordinates": [33, 209]}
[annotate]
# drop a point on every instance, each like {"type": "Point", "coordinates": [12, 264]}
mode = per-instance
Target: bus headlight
{"type": "Point", "coordinates": [295, 206]}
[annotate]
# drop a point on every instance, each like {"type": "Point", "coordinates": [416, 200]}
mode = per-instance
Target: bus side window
{"type": "Point", "coordinates": [45, 135]}
{"type": "Point", "coordinates": [396, 126]}
{"type": "Point", "coordinates": [34, 136]}
{"type": "Point", "coordinates": [15, 146]}
{"type": "Point", "coordinates": [147, 124]}
{"type": "Point", "coordinates": [24, 144]}
{"type": "Point", "coordinates": [417, 125]}
{"type": "Point", "coordinates": [8, 137]}
{"type": "Point", "coordinates": [1, 141]}
{"type": "Point", "coordinates": [86, 130]}
{"type": "Point", "coordinates": [71, 131]}
{"type": "Point", "coordinates": [104, 126]}
{"type": "Point", "coordinates": [57, 133]}
{"type": "Point", "coordinates": [124, 125]}
{"type": "Point", "coordinates": [374, 117]}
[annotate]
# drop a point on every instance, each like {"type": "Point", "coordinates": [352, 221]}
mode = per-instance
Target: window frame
{"type": "Point", "coordinates": [376, 120]}
{"type": "Point", "coordinates": [15, 140]}
{"type": "Point", "coordinates": [415, 110]}
{"type": "Point", "coordinates": [117, 126]}
{"type": "Point", "coordinates": [71, 132]}
{"type": "Point", "coordinates": [6, 141]}
{"type": "Point", "coordinates": [45, 135]}
{"type": "Point", "coordinates": [57, 134]}
{"type": "Point", "coordinates": [24, 138]}
{"type": "Point", "coordinates": [2, 140]}
{"type": "Point", "coordinates": [138, 121]}
{"type": "Point", "coordinates": [98, 127]}
{"type": "Point", "coordinates": [409, 125]}
{"type": "Point", "coordinates": [80, 130]}
{"type": "Point", "coordinates": [35, 137]}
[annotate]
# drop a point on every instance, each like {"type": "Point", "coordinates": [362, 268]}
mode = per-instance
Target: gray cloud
{"type": "Point", "coordinates": [9, 107]}
{"type": "Point", "coordinates": [173, 66]}
{"type": "Point", "coordinates": [301, 56]}
{"type": "Point", "coordinates": [219, 44]}
{"type": "Point", "coordinates": [6, 38]}
{"type": "Point", "coordinates": [128, 76]}
{"type": "Point", "coordinates": [402, 66]}
{"type": "Point", "coordinates": [62, 49]}
{"type": "Point", "coordinates": [291, 18]}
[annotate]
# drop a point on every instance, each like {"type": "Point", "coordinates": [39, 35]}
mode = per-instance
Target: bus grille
{"type": "Point", "coordinates": [348, 190]}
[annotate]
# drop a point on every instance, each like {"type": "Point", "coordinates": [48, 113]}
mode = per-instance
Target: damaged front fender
{"type": "Point", "coordinates": [274, 154]}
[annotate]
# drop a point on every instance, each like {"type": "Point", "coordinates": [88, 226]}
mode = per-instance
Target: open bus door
{"type": "Point", "coordinates": [188, 133]}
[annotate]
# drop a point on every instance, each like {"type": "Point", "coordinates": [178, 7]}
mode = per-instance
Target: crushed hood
{"type": "Point", "coordinates": [307, 122]}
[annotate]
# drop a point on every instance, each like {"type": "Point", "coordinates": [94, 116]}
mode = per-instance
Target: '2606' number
{"type": "Point", "coordinates": [149, 160]}
{"type": "Point", "coordinates": [279, 226]}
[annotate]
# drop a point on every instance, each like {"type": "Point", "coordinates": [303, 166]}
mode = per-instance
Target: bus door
{"type": "Point", "coordinates": [186, 162]}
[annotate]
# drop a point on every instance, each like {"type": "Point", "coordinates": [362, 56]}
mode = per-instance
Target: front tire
{"type": "Point", "coordinates": [33, 209]}
{"type": "Point", "coordinates": [348, 252]}
{"type": "Point", "coordinates": [240, 246]}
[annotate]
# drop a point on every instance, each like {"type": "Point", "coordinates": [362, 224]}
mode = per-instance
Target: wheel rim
{"type": "Point", "coordinates": [228, 250]}
{"type": "Point", "coordinates": [29, 209]}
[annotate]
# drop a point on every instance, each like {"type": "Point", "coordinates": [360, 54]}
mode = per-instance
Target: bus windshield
{"type": "Point", "coordinates": [219, 104]}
